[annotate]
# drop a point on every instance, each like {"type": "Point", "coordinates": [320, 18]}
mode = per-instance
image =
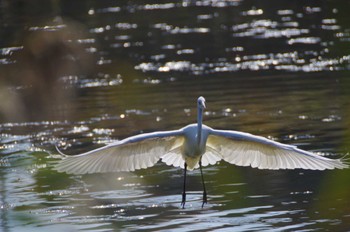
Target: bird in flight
{"type": "Point", "coordinates": [194, 146]}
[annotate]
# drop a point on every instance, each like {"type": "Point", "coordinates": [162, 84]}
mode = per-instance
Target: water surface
{"type": "Point", "coordinates": [85, 74]}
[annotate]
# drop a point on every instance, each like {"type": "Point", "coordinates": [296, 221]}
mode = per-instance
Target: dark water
{"type": "Point", "coordinates": [85, 73]}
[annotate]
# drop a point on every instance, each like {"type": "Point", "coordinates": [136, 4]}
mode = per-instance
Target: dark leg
{"type": "Point", "coordinates": [204, 190]}
{"type": "Point", "coordinates": [184, 188]}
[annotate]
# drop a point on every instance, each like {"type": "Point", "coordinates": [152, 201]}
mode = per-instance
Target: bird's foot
{"type": "Point", "coordinates": [205, 201]}
{"type": "Point", "coordinates": [183, 202]}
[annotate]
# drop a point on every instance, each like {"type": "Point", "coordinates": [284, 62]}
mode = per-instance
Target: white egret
{"type": "Point", "coordinates": [194, 146]}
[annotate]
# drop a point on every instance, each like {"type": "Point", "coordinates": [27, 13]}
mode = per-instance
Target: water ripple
{"type": "Point", "coordinates": [146, 62]}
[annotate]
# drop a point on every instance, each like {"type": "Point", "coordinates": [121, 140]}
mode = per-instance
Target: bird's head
{"type": "Point", "coordinates": [201, 102]}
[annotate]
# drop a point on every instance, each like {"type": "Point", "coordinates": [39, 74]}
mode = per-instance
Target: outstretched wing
{"type": "Point", "coordinates": [245, 149]}
{"type": "Point", "coordinates": [136, 152]}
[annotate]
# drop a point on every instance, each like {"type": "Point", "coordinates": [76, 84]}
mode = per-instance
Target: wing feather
{"type": "Point", "coordinates": [174, 158]}
{"type": "Point", "coordinates": [211, 156]}
{"type": "Point", "coordinates": [245, 149]}
{"type": "Point", "coordinates": [132, 153]}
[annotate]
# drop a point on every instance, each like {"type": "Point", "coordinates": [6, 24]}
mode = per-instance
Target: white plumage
{"type": "Point", "coordinates": [191, 144]}
{"type": "Point", "coordinates": [194, 146]}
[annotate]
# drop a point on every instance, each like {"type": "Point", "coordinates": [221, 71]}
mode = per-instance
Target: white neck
{"type": "Point", "coordinates": [199, 124]}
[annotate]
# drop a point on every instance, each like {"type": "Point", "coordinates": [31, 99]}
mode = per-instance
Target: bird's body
{"type": "Point", "coordinates": [194, 146]}
{"type": "Point", "coordinates": [193, 149]}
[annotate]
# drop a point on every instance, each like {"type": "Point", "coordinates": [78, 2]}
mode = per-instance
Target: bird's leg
{"type": "Point", "coordinates": [204, 189]}
{"type": "Point", "coordinates": [184, 188]}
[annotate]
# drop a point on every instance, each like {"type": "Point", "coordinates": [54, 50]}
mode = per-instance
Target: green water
{"type": "Point", "coordinates": [104, 70]}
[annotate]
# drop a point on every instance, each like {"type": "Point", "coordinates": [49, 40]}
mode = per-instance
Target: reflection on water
{"type": "Point", "coordinates": [81, 75]}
